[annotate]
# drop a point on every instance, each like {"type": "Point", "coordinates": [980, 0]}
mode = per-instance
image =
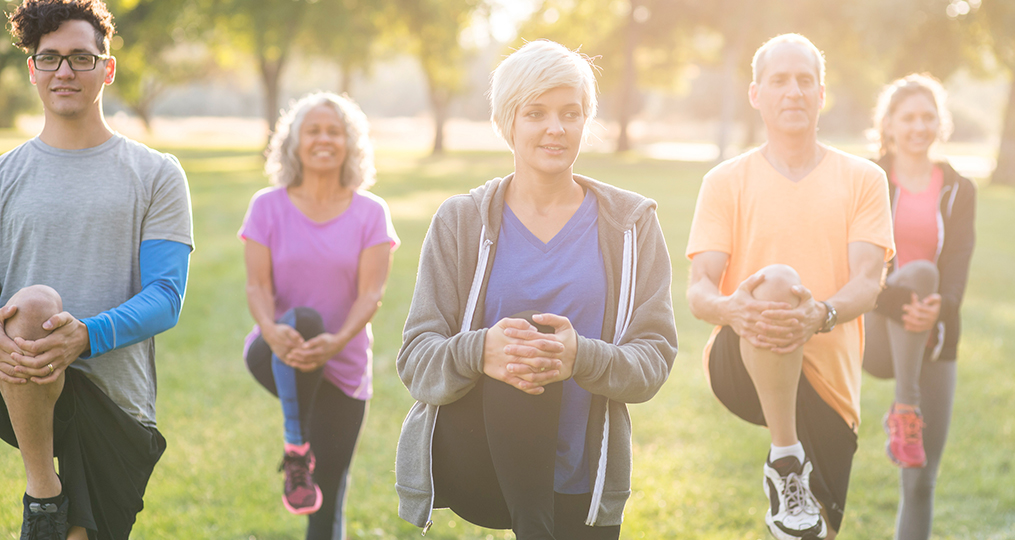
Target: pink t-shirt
{"type": "Point", "coordinates": [916, 226]}
{"type": "Point", "coordinates": [316, 265]}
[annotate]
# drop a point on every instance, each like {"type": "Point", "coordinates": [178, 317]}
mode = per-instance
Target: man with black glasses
{"type": "Point", "coordinates": [95, 242]}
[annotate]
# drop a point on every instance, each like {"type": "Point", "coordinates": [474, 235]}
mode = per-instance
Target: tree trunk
{"type": "Point", "coordinates": [151, 89]}
{"type": "Point", "coordinates": [440, 101]}
{"type": "Point", "coordinates": [346, 78]}
{"type": "Point", "coordinates": [1004, 174]}
{"type": "Point", "coordinates": [628, 85]}
{"type": "Point", "coordinates": [8, 106]}
{"type": "Point", "coordinates": [440, 114]}
{"type": "Point", "coordinates": [143, 110]}
{"type": "Point", "coordinates": [751, 120]}
{"type": "Point", "coordinates": [728, 96]}
{"type": "Point", "coordinates": [271, 76]}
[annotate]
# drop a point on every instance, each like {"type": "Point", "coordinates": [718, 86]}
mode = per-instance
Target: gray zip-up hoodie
{"type": "Point", "coordinates": [442, 343]}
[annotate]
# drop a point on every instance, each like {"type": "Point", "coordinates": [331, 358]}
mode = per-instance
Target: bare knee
{"type": "Point", "coordinates": [36, 304]}
{"type": "Point", "coordinates": [919, 276]}
{"type": "Point", "coordinates": [778, 284]}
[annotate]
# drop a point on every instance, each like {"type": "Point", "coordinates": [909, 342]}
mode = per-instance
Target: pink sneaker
{"type": "Point", "coordinates": [301, 495]}
{"type": "Point", "coordinates": [904, 426]}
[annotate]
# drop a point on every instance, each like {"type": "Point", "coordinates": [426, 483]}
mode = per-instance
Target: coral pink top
{"type": "Point", "coordinates": [917, 229]}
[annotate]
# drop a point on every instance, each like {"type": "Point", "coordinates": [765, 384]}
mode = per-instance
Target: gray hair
{"type": "Point", "coordinates": [535, 68]}
{"type": "Point", "coordinates": [283, 165]}
{"type": "Point", "coordinates": [897, 92]}
{"type": "Point", "coordinates": [760, 60]}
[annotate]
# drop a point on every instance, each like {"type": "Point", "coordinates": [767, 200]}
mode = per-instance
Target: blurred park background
{"type": "Point", "coordinates": [673, 80]}
{"type": "Point", "coordinates": [204, 79]}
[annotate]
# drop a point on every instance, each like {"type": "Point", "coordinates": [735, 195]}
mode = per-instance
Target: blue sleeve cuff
{"type": "Point", "coordinates": [156, 308]}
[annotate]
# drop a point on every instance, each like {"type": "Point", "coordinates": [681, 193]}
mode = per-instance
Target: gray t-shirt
{"type": "Point", "coordinates": [74, 220]}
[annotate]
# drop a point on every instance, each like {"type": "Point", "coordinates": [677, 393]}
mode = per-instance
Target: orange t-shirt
{"type": "Point", "coordinates": [759, 217]}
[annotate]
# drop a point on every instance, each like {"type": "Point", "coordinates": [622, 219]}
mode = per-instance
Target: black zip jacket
{"type": "Point", "coordinates": [956, 217]}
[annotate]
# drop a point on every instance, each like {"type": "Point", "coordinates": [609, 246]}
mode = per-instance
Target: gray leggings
{"type": "Point", "coordinates": [891, 351]}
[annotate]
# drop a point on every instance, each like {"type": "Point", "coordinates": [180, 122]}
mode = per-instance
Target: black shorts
{"type": "Point", "coordinates": [105, 456]}
{"type": "Point", "coordinates": [827, 439]}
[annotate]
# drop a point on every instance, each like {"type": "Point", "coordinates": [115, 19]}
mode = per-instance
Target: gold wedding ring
{"type": "Point", "coordinates": [51, 369]}
{"type": "Point", "coordinates": [542, 369]}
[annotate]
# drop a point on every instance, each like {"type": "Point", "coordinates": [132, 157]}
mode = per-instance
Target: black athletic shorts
{"type": "Point", "coordinates": [828, 440]}
{"type": "Point", "coordinates": [105, 456]}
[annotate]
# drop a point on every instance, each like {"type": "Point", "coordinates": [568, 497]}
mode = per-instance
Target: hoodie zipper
{"type": "Point", "coordinates": [625, 309]}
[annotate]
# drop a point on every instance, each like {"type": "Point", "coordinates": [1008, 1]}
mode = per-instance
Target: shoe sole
{"type": "Point", "coordinates": [777, 531]}
{"type": "Point", "coordinates": [304, 511]}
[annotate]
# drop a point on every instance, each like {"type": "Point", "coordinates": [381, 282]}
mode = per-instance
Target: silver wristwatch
{"type": "Point", "coordinates": [830, 319]}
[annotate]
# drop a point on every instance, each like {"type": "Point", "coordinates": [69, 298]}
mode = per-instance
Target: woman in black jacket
{"type": "Point", "coordinates": [914, 332]}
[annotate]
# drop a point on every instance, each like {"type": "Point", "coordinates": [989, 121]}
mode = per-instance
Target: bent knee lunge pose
{"type": "Point", "coordinates": [318, 248]}
{"type": "Point", "coordinates": [542, 306]}
{"type": "Point", "coordinates": [83, 303]}
{"type": "Point", "coordinates": [913, 335]}
{"type": "Point", "coordinates": [787, 248]}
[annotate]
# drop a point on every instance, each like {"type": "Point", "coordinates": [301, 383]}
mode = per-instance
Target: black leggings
{"type": "Point", "coordinates": [332, 434]}
{"type": "Point", "coordinates": [494, 453]}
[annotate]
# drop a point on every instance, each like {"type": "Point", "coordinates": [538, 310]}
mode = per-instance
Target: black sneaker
{"type": "Point", "coordinates": [45, 521]}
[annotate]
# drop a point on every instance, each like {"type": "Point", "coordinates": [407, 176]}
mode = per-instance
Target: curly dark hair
{"type": "Point", "coordinates": [36, 18]}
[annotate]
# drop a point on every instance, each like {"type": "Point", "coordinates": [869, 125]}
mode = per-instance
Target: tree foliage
{"type": "Point", "coordinates": [640, 45]}
{"type": "Point", "coordinates": [993, 25]}
{"type": "Point", "coordinates": [345, 32]}
{"type": "Point", "coordinates": [265, 29]}
{"type": "Point", "coordinates": [15, 93]}
{"type": "Point", "coordinates": [636, 44]}
{"type": "Point", "coordinates": [156, 46]}
{"type": "Point", "coordinates": [431, 31]}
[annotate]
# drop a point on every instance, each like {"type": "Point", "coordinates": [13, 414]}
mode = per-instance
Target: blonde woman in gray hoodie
{"type": "Point", "coordinates": [542, 307]}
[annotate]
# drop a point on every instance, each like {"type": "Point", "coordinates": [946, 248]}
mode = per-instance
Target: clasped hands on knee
{"type": "Point", "coordinates": [305, 355]}
{"type": "Point", "coordinates": [921, 315]}
{"type": "Point", "coordinates": [35, 334]}
{"type": "Point", "coordinates": [772, 310]}
{"type": "Point", "coordinates": [516, 353]}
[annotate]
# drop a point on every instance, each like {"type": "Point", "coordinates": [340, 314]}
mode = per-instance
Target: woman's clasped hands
{"type": "Point", "coordinates": [518, 354]}
{"type": "Point", "coordinates": [305, 355]}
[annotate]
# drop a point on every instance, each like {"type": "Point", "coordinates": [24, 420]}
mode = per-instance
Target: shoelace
{"type": "Point", "coordinates": [912, 428]}
{"type": "Point", "coordinates": [35, 522]}
{"type": "Point", "coordinates": [297, 471]}
{"type": "Point", "coordinates": [798, 497]}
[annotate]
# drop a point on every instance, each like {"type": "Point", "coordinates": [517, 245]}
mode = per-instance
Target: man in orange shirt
{"type": "Point", "coordinates": [787, 248]}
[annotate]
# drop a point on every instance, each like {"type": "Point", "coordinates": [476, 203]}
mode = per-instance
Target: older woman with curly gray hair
{"type": "Point", "coordinates": [317, 248]}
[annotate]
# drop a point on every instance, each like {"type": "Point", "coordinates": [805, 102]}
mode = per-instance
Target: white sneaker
{"type": "Point", "coordinates": [793, 512]}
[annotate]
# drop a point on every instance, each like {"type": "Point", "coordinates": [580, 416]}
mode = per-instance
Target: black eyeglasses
{"type": "Point", "coordinates": [77, 62]}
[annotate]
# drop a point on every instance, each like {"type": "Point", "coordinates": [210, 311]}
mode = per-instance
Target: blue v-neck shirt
{"type": "Point", "coordinates": [565, 276]}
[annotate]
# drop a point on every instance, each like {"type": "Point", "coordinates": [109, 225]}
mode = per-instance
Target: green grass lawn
{"type": "Point", "coordinates": [697, 469]}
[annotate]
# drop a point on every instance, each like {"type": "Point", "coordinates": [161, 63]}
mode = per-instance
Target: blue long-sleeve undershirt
{"type": "Point", "coordinates": [156, 308]}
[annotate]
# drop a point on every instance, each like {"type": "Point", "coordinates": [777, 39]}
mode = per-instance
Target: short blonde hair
{"type": "Point", "coordinates": [897, 92]}
{"type": "Point", "coordinates": [283, 165]}
{"type": "Point", "coordinates": [535, 68]}
{"type": "Point", "coordinates": [760, 60]}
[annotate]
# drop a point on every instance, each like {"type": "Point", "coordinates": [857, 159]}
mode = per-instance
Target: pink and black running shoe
{"type": "Point", "coordinates": [905, 437]}
{"type": "Point", "coordinates": [301, 495]}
